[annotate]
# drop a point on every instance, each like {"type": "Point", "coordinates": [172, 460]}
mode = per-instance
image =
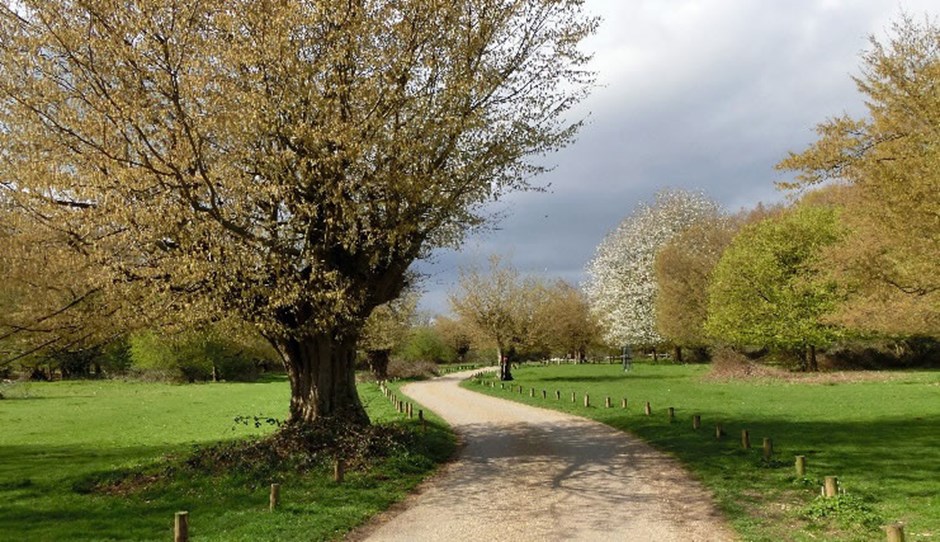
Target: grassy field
{"type": "Point", "coordinates": [881, 438]}
{"type": "Point", "coordinates": [58, 439]}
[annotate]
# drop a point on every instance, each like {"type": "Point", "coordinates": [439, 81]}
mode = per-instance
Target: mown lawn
{"type": "Point", "coordinates": [58, 439]}
{"type": "Point", "coordinates": [881, 438]}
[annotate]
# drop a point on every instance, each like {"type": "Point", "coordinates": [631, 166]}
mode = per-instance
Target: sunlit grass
{"type": "Point", "coordinates": [57, 437]}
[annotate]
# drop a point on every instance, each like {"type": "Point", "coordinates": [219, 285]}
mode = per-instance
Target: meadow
{"type": "Point", "coordinates": [880, 436]}
{"type": "Point", "coordinates": [60, 441]}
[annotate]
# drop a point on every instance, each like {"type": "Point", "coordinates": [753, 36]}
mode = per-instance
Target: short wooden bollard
{"type": "Point", "coordinates": [544, 394]}
{"type": "Point", "coordinates": [607, 402]}
{"type": "Point", "coordinates": [531, 392]}
{"type": "Point", "coordinates": [895, 532]}
{"type": "Point", "coordinates": [718, 431]}
{"type": "Point", "coordinates": [557, 395]}
{"type": "Point", "coordinates": [275, 498]}
{"type": "Point", "coordinates": [696, 421]}
{"type": "Point", "coordinates": [502, 386]}
{"type": "Point", "coordinates": [800, 465]}
{"type": "Point", "coordinates": [574, 397]}
{"type": "Point", "coordinates": [339, 471]}
{"type": "Point", "coordinates": [768, 449]}
{"type": "Point", "coordinates": [648, 410]}
{"type": "Point", "coordinates": [181, 527]}
{"type": "Point", "coordinates": [745, 439]}
{"type": "Point", "coordinates": [672, 414]}
{"type": "Point", "coordinates": [587, 400]}
{"type": "Point", "coordinates": [831, 485]}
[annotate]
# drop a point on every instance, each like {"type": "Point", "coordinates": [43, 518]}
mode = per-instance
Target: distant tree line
{"type": "Point", "coordinates": [851, 265]}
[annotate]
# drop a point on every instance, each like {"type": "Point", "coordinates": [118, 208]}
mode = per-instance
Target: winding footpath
{"type": "Point", "coordinates": [528, 473]}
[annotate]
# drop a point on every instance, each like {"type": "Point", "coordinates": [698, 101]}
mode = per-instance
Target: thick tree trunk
{"type": "Point", "coordinates": [505, 368]}
{"type": "Point", "coordinates": [677, 354]}
{"type": "Point", "coordinates": [813, 364]}
{"type": "Point", "coordinates": [322, 372]}
{"type": "Point", "coordinates": [378, 363]}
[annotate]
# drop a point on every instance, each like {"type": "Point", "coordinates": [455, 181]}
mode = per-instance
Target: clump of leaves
{"type": "Point", "coordinates": [847, 510]}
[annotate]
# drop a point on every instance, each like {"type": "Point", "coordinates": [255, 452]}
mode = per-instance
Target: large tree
{"type": "Point", "coordinates": [286, 161]}
{"type": "Point", "coordinates": [386, 329]}
{"type": "Point", "coordinates": [770, 288]}
{"type": "Point", "coordinates": [621, 279]}
{"type": "Point", "coordinates": [563, 323]}
{"type": "Point", "coordinates": [498, 306]}
{"type": "Point", "coordinates": [891, 162]}
{"type": "Point", "coordinates": [683, 270]}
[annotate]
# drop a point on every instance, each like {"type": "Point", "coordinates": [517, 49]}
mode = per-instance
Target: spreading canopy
{"type": "Point", "coordinates": [284, 160]}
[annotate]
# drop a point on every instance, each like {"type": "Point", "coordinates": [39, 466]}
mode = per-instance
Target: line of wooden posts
{"type": "Point", "coordinates": [181, 519]}
{"type": "Point", "coordinates": [830, 488]}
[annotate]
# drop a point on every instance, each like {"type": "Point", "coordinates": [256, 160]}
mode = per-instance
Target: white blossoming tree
{"type": "Point", "coordinates": [621, 278]}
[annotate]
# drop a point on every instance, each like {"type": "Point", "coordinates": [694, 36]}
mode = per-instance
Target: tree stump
{"type": "Point", "coordinates": [768, 449]}
{"type": "Point", "coordinates": [181, 527]}
{"type": "Point", "coordinates": [895, 532]}
{"type": "Point", "coordinates": [831, 485]}
{"type": "Point", "coordinates": [275, 497]}
{"type": "Point", "coordinates": [339, 471]}
{"type": "Point", "coordinates": [800, 465]}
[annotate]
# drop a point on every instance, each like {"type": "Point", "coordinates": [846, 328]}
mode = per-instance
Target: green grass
{"type": "Point", "coordinates": [58, 439]}
{"type": "Point", "coordinates": [882, 439]}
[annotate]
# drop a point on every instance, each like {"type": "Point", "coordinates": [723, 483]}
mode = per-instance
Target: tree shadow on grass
{"type": "Point", "coordinates": [41, 496]}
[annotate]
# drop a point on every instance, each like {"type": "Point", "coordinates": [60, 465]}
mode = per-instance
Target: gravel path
{"type": "Point", "coordinates": [527, 473]}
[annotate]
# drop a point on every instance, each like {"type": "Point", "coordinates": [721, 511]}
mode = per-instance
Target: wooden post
{"type": "Point", "coordinates": [607, 402]}
{"type": "Point", "coordinates": [275, 497]}
{"type": "Point", "coordinates": [181, 527]}
{"type": "Point", "coordinates": [672, 414]}
{"type": "Point", "coordinates": [800, 465]}
{"type": "Point", "coordinates": [411, 410]}
{"type": "Point", "coordinates": [587, 400]}
{"type": "Point", "coordinates": [832, 486]}
{"type": "Point", "coordinates": [718, 431]}
{"type": "Point", "coordinates": [574, 397]}
{"type": "Point", "coordinates": [696, 421]}
{"type": "Point", "coordinates": [745, 439]}
{"type": "Point", "coordinates": [557, 395]}
{"type": "Point", "coordinates": [339, 470]}
{"type": "Point", "coordinates": [502, 386]}
{"type": "Point", "coordinates": [647, 409]}
{"type": "Point", "coordinates": [895, 532]}
{"type": "Point", "coordinates": [623, 403]}
{"type": "Point", "coordinates": [531, 392]}
{"type": "Point", "coordinates": [544, 394]}
{"type": "Point", "coordinates": [768, 448]}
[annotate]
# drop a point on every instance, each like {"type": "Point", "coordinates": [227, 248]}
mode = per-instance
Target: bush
{"type": "Point", "coordinates": [426, 344]}
{"type": "Point", "coordinates": [399, 368]}
{"type": "Point", "coordinates": [190, 357]}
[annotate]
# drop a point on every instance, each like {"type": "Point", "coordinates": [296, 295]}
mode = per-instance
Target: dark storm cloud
{"type": "Point", "coordinates": [705, 95]}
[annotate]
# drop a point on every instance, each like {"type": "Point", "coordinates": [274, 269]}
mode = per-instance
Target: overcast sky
{"type": "Point", "coordinates": [695, 94]}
